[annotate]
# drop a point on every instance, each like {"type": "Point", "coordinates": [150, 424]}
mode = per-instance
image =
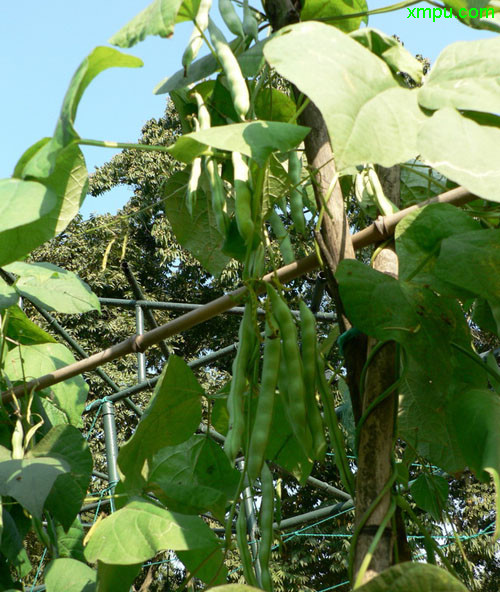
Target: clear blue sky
{"type": "Point", "coordinates": [42, 43]}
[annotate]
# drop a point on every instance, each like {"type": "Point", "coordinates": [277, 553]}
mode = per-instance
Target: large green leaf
{"type": "Point", "coordinates": [256, 139]}
{"type": "Point", "coordinates": [413, 577]}
{"type": "Point", "coordinates": [70, 542]}
{"type": "Point", "coordinates": [172, 417]}
{"type": "Point", "coordinates": [250, 62]}
{"type": "Point", "coordinates": [193, 477]}
{"type": "Point", "coordinates": [33, 361]}
{"type": "Point", "coordinates": [152, 529]}
{"type": "Point", "coordinates": [69, 575]}
{"type": "Point", "coordinates": [328, 11]}
{"type": "Point", "coordinates": [53, 288]}
{"type": "Point", "coordinates": [8, 296]}
{"type": "Point", "coordinates": [12, 544]}
{"type": "Point", "coordinates": [419, 183]}
{"type": "Point", "coordinates": [159, 18]}
{"type": "Point", "coordinates": [24, 331]}
{"type": "Point", "coordinates": [30, 480]}
{"type": "Point", "coordinates": [116, 578]}
{"type": "Point", "coordinates": [391, 51]}
{"type": "Point", "coordinates": [69, 182]}
{"type": "Point", "coordinates": [471, 261]}
{"type": "Point", "coordinates": [430, 493]}
{"type": "Point", "coordinates": [206, 566]}
{"type": "Point", "coordinates": [22, 202]}
{"type": "Point", "coordinates": [66, 443]}
{"type": "Point", "coordinates": [42, 163]}
{"type": "Point", "coordinates": [465, 76]}
{"type": "Point", "coordinates": [419, 236]}
{"type": "Point", "coordinates": [463, 151]}
{"type": "Point", "coordinates": [370, 118]}
{"type": "Point", "coordinates": [197, 233]}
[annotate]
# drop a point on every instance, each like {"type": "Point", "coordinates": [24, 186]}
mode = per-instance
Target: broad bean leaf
{"type": "Point", "coordinates": [465, 76]}
{"type": "Point", "coordinates": [197, 233]}
{"type": "Point", "coordinates": [208, 566]}
{"type": "Point", "coordinates": [463, 151]}
{"type": "Point", "coordinates": [193, 477]}
{"type": "Point", "coordinates": [419, 236]}
{"type": "Point", "coordinates": [30, 480]}
{"type": "Point", "coordinates": [419, 183]}
{"type": "Point", "coordinates": [69, 575]}
{"type": "Point", "coordinates": [24, 331]}
{"type": "Point", "coordinates": [250, 62]}
{"type": "Point", "coordinates": [8, 296]}
{"type": "Point", "coordinates": [152, 529]}
{"type": "Point", "coordinates": [116, 578]}
{"type": "Point", "coordinates": [33, 361]}
{"type": "Point", "coordinates": [391, 51]}
{"type": "Point", "coordinates": [256, 139]}
{"type": "Point", "coordinates": [471, 261]}
{"type": "Point", "coordinates": [12, 544]}
{"type": "Point", "coordinates": [53, 288]}
{"type": "Point", "coordinates": [42, 163]}
{"type": "Point", "coordinates": [66, 443]}
{"type": "Point", "coordinates": [172, 417]}
{"type": "Point", "coordinates": [430, 493]}
{"type": "Point", "coordinates": [69, 182]}
{"type": "Point", "coordinates": [328, 11]}
{"type": "Point", "coordinates": [351, 104]}
{"type": "Point", "coordinates": [414, 577]}
{"type": "Point", "coordinates": [22, 202]}
{"type": "Point", "coordinates": [476, 416]}
{"type": "Point", "coordinates": [70, 542]}
{"type": "Point", "coordinates": [274, 105]}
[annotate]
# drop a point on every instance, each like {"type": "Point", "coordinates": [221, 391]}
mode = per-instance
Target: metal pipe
{"type": "Point", "coordinates": [252, 526]}
{"type": "Point", "coordinates": [108, 419]}
{"type": "Point", "coordinates": [314, 515]}
{"type": "Point", "coordinates": [141, 356]}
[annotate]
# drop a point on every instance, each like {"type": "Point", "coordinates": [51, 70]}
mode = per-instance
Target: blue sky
{"type": "Point", "coordinates": [42, 43]}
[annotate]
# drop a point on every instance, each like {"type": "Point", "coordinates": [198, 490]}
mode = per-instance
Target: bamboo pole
{"type": "Point", "coordinates": [381, 229]}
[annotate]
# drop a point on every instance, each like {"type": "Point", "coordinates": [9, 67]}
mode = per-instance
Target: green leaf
{"type": "Point", "coordinates": [391, 51]}
{"type": "Point", "coordinates": [159, 18]}
{"type": "Point", "coordinates": [33, 361]}
{"type": "Point", "coordinates": [193, 477]}
{"type": "Point", "coordinates": [482, 316]}
{"type": "Point", "coordinates": [101, 58]}
{"type": "Point", "coordinates": [471, 261]}
{"type": "Point", "coordinates": [29, 481]}
{"type": "Point", "coordinates": [465, 76]}
{"type": "Point", "coordinates": [430, 493]}
{"type": "Point", "coordinates": [419, 236]}
{"type": "Point", "coordinates": [69, 183]}
{"type": "Point", "coordinates": [256, 139]}
{"type": "Point", "coordinates": [22, 202]}
{"type": "Point", "coordinates": [197, 233]}
{"type": "Point", "coordinates": [152, 529]}
{"type": "Point", "coordinates": [12, 545]}
{"type": "Point", "coordinates": [24, 331]}
{"type": "Point", "coordinates": [116, 578]}
{"type": "Point", "coordinates": [70, 543]}
{"type": "Point", "coordinates": [250, 62]}
{"type": "Point", "coordinates": [53, 288]}
{"type": "Point", "coordinates": [350, 104]}
{"type": "Point", "coordinates": [235, 588]}
{"type": "Point", "coordinates": [274, 105]}
{"type": "Point", "coordinates": [172, 416]}
{"type": "Point", "coordinates": [327, 11]}
{"type": "Point", "coordinates": [463, 151]}
{"type": "Point", "coordinates": [419, 183]}
{"type": "Point", "coordinates": [208, 567]}
{"type": "Point", "coordinates": [69, 575]}
{"type": "Point", "coordinates": [66, 443]}
{"type": "Point", "coordinates": [8, 296]}
{"type": "Point", "coordinates": [413, 577]}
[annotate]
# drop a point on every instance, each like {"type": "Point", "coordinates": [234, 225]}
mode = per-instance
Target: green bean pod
{"type": "Point", "coordinates": [196, 40]}
{"type": "Point", "coordinates": [230, 18]}
{"type": "Point", "coordinates": [336, 437]}
{"type": "Point", "coordinates": [266, 527]}
{"type": "Point", "coordinates": [235, 400]}
{"type": "Point", "coordinates": [309, 341]}
{"type": "Point", "coordinates": [243, 198]}
{"type": "Point", "coordinates": [296, 202]}
{"type": "Point", "coordinates": [282, 236]}
{"type": "Point", "coordinates": [250, 24]}
{"type": "Point", "coordinates": [194, 179]}
{"type": "Point", "coordinates": [218, 195]}
{"type": "Point", "coordinates": [241, 539]}
{"type": "Point", "coordinates": [293, 363]}
{"type": "Point", "coordinates": [203, 113]}
{"type": "Point", "coordinates": [264, 414]}
{"type": "Point", "coordinates": [236, 81]}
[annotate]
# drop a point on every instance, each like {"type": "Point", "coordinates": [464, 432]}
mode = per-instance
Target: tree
{"type": "Point", "coordinates": [250, 151]}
